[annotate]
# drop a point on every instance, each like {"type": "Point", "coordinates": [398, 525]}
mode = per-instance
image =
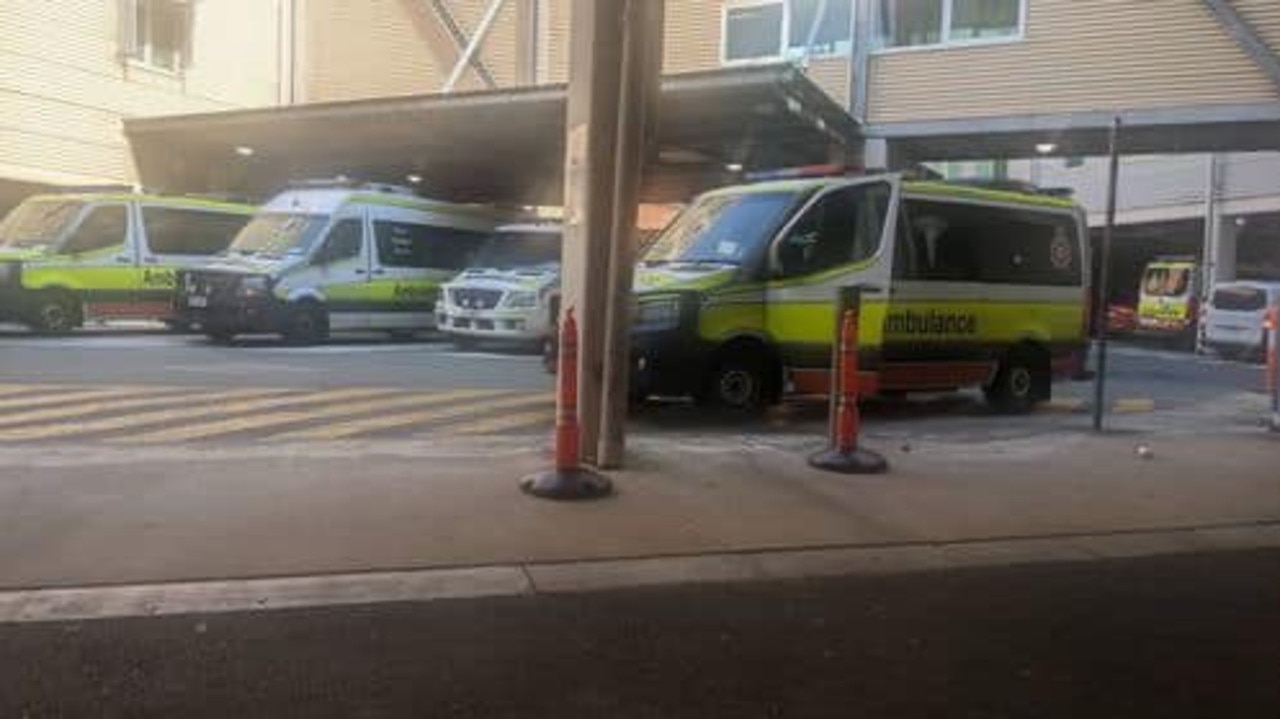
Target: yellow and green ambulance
{"type": "Point", "coordinates": [1169, 299]}
{"type": "Point", "coordinates": [962, 286]}
{"type": "Point", "coordinates": [70, 258]}
{"type": "Point", "coordinates": [325, 257]}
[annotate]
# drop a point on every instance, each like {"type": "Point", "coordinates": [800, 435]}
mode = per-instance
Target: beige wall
{"type": "Point", "coordinates": [375, 48]}
{"type": "Point", "coordinates": [1081, 55]}
{"type": "Point", "coordinates": [691, 43]}
{"type": "Point", "coordinates": [64, 89]}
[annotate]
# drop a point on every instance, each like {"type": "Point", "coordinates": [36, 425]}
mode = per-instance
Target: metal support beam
{"type": "Point", "coordinates": [1247, 38]}
{"type": "Point", "coordinates": [441, 10]}
{"type": "Point", "coordinates": [477, 38]}
{"type": "Point", "coordinates": [860, 59]}
{"type": "Point", "coordinates": [640, 87]}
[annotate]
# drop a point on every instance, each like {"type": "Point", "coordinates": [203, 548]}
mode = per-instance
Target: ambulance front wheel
{"type": "Point", "coordinates": [56, 311]}
{"type": "Point", "coordinates": [1019, 382]}
{"type": "Point", "coordinates": [307, 323]}
{"type": "Point", "coordinates": [740, 382]}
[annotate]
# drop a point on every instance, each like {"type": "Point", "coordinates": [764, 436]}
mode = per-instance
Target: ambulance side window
{"type": "Point", "coordinates": [344, 242]}
{"type": "Point", "coordinates": [842, 227]}
{"type": "Point", "coordinates": [104, 226]}
{"type": "Point", "coordinates": [945, 240]}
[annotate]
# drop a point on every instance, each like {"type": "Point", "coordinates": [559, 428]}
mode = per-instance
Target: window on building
{"type": "Point", "coordinates": [181, 231]}
{"type": "Point", "coordinates": [755, 30]}
{"type": "Point", "coordinates": [157, 32]}
{"type": "Point", "coordinates": [914, 23]}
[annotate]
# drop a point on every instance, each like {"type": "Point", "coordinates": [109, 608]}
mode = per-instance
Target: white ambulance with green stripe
{"type": "Point", "coordinates": [70, 258]}
{"type": "Point", "coordinates": [963, 286]}
{"type": "Point", "coordinates": [320, 258]}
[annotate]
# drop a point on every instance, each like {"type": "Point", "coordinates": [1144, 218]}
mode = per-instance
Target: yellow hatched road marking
{"type": "Point", "coordinates": [233, 425]}
{"type": "Point", "coordinates": [143, 419]}
{"type": "Point", "coordinates": [8, 390]}
{"type": "Point", "coordinates": [67, 395]}
{"type": "Point", "coordinates": [539, 417]}
{"type": "Point", "coordinates": [129, 402]}
{"type": "Point", "coordinates": [343, 430]}
{"type": "Point", "coordinates": [1133, 406]}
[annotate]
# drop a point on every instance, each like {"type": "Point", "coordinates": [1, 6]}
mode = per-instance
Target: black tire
{"type": "Point", "coordinates": [219, 335]}
{"type": "Point", "coordinates": [739, 383]}
{"type": "Point", "coordinates": [307, 323]}
{"type": "Point", "coordinates": [55, 312]}
{"type": "Point", "coordinates": [1015, 389]}
{"type": "Point", "coordinates": [550, 360]}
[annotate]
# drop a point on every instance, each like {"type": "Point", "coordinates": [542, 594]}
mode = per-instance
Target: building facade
{"type": "Point", "coordinates": [71, 70]}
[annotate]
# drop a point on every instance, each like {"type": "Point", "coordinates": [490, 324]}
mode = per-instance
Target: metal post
{"type": "Point", "coordinates": [595, 64]}
{"type": "Point", "coordinates": [1104, 282]}
{"type": "Point", "coordinates": [641, 72]}
{"type": "Point", "coordinates": [1273, 364]}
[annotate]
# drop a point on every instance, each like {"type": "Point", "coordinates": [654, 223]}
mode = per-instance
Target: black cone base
{"type": "Point", "coordinates": [859, 461]}
{"type": "Point", "coordinates": [567, 484]}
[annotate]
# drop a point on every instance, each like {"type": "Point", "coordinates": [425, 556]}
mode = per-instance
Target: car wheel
{"type": "Point", "coordinates": [55, 312]}
{"type": "Point", "coordinates": [738, 383]}
{"type": "Point", "coordinates": [1013, 391]}
{"type": "Point", "coordinates": [308, 323]}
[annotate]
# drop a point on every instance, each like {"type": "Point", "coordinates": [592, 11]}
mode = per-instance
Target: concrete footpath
{"type": "Point", "coordinates": [83, 516]}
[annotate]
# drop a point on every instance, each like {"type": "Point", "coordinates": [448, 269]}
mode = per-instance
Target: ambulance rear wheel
{"type": "Point", "coordinates": [56, 311]}
{"type": "Point", "coordinates": [307, 323]}
{"type": "Point", "coordinates": [1017, 384]}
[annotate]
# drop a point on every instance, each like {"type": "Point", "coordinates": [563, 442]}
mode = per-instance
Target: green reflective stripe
{"type": "Point", "coordinates": [942, 189]}
{"type": "Point", "coordinates": [666, 280]}
{"type": "Point", "coordinates": [188, 202]}
{"type": "Point", "coordinates": [37, 277]}
{"type": "Point", "coordinates": [826, 275]}
{"type": "Point", "coordinates": [813, 323]}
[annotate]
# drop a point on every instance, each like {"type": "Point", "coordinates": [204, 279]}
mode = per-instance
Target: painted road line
{"type": "Point", "coordinates": [1133, 406]}
{"type": "Point", "coordinates": [209, 407]}
{"type": "Point", "coordinates": [233, 425]}
{"type": "Point", "coordinates": [533, 419]}
{"type": "Point", "coordinates": [9, 390]}
{"type": "Point", "coordinates": [1066, 405]}
{"type": "Point", "coordinates": [151, 398]}
{"type": "Point", "coordinates": [68, 395]}
{"type": "Point", "coordinates": [354, 428]}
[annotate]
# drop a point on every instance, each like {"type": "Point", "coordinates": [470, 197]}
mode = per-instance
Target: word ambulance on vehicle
{"type": "Point", "coordinates": [509, 292]}
{"type": "Point", "coordinates": [71, 258]}
{"type": "Point", "coordinates": [962, 285]}
{"type": "Point", "coordinates": [331, 256]}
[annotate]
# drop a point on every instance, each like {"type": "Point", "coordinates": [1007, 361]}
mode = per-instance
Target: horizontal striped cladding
{"type": "Point", "coordinates": [376, 48]}
{"type": "Point", "coordinates": [64, 89]}
{"type": "Point", "coordinates": [832, 75]}
{"type": "Point", "coordinates": [1264, 17]}
{"type": "Point", "coordinates": [1078, 55]}
{"type": "Point", "coordinates": [691, 35]}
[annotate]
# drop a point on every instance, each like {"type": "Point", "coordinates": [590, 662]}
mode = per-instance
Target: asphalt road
{"type": "Point", "coordinates": [1189, 636]}
{"type": "Point", "coordinates": [1187, 388]}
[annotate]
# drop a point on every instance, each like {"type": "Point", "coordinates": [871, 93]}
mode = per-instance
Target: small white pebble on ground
{"type": "Point", "coordinates": [1144, 451]}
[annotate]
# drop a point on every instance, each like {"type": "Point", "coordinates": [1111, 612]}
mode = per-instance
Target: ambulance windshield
{"type": "Point", "coordinates": [723, 229]}
{"type": "Point", "coordinates": [517, 249]}
{"type": "Point", "coordinates": [276, 234]}
{"type": "Point", "coordinates": [38, 223]}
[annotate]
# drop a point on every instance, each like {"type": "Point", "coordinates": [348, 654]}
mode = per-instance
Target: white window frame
{"type": "Point", "coordinates": [946, 43]}
{"type": "Point", "coordinates": [141, 55]}
{"type": "Point", "coordinates": [784, 34]}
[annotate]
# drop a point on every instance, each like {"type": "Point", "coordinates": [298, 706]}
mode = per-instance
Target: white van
{"type": "Point", "coordinates": [507, 293]}
{"type": "Point", "coordinates": [1232, 322]}
{"type": "Point", "coordinates": [322, 258]}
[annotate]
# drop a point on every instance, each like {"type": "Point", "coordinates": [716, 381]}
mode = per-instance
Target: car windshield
{"type": "Point", "coordinates": [37, 223]}
{"type": "Point", "coordinates": [1166, 281]}
{"type": "Point", "coordinates": [507, 250]}
{"type": "Point", "coordinates": [278, 234]}
{"type": "Point", "coordinates": [1240, 299]}
{"type": "Point", "coordinates": [722, 229]}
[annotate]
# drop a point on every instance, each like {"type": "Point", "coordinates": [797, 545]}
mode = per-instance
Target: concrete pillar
{"type": "Point", "coordinates": [1226, 249]}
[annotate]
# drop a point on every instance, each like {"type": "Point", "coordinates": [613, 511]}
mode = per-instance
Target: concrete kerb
{"type": "Point", "coordinates": [524, 580]}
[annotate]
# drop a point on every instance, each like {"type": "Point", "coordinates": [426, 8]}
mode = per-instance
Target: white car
{"type": "Point", "coordinates": [1233, 321]}
{"type": "Point", "coordinates": [509, 292]}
